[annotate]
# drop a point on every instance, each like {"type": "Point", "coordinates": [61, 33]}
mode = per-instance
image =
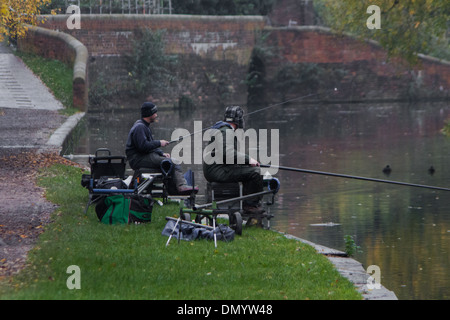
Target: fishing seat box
{"type": "Point", "coordinates": [217, 191]}
{"type": "Point", "coordinates": [105, 168]}
{"type": "Point", "coordinates": [160, 181]}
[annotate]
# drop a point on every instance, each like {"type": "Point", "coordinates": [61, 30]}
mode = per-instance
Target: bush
{"type": "Point", "coordinates": [223, 7]}
{"type": "Point", "coordinates": [149, 67]}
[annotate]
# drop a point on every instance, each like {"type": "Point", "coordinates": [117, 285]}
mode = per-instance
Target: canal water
{"type": "Point", "coordinates": [405, 231]}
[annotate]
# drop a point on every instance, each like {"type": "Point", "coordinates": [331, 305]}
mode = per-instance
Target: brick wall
{"type": "Point", "coordinates": [293, 13]}
{"type": "Point", "coordinates": [215, 54]}
{"type": "Point", "coordinates": [217, 38]}
{"type": "Point", "coordinates": [368, 69]}
{"type": "Point", "coordinates": [213, 51]}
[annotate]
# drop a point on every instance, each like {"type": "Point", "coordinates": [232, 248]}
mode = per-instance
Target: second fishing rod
{"type": "Point", "coordinates": [250, 113]}
{"type": "Point", "coordinates": [347, 176]}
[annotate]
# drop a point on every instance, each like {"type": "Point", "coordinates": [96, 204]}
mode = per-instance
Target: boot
{"type": "Point", "coordinates": [186, 190]}
{"type": "Point", "coordinates": [254, 210]}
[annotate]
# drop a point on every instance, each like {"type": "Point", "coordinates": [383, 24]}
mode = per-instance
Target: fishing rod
{"type": "Point", "coordinates": [355, 177]}
{"type": "Point", "coordinates": [281, 103]}
{"type": "Point", "coordinates": [245, 115]}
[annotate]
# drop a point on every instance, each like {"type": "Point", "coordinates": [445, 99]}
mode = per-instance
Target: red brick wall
{"type": "Point", "coordinates": [223, 45]}
{"type": "Point", "coordinates": [214, 51]}
{"type": "Point", "coordinates": [292, 12]}
{"type": "Point", "coordinates": [218, 38]}
{"type": "Point", "coordinates": [49, 47]}
{"type": "Point", "coordinates": [367, 63]}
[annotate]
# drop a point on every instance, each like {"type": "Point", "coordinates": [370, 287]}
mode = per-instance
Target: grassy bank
{"type": "Point", "coordinates": [132, 261]}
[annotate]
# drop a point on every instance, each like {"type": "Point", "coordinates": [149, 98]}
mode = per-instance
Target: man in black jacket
{"type": "Point", "coordinates": [143, 151]}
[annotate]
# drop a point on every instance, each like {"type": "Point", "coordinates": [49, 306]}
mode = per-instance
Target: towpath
{"type": "Point", "coordinates": [29, 119]}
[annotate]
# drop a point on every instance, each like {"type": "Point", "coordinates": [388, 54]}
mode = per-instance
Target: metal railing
{"type": "Point", "coordinates": [117, 6]}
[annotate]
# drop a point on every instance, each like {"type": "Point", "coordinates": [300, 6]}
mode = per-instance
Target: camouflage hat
{"type": "Point", "coordinates": [235, 114]}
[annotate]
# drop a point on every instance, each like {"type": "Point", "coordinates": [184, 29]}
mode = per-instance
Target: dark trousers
{"type": "Point", "coordinates": [153, 160]}
{"type": "Point", "coordinates": [251, 178]}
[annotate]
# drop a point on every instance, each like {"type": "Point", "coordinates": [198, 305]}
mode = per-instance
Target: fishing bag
{"type": "Point", "coordinates": [192, 231]}
{"type": "Point", "coordinates": [120, 209]}
{"type": "Point", "coordinates": [105, 183]}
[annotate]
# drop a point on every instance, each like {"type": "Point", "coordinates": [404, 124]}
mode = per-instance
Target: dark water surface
{"type": "Point", "coordinates": [405, 231]}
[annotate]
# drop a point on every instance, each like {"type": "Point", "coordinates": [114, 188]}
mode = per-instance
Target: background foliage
{"type": "Point", "coordinates": [223, 7]}
{"type": "Point", "coordinates": [14, 13]}
{"type": "Point", "coordinates": [407, 27]}
{"type": "Point", "coordinates": [150, 68]}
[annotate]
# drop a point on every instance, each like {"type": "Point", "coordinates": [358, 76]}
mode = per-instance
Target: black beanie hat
{"type": "Point", "coordinates": [148, 109]}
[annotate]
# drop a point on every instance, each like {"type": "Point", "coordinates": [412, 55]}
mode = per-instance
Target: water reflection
{"type": "Point", "coordinates": [403, 230]}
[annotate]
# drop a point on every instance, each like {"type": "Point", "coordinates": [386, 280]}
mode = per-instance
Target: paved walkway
{"type": "Point", "coordinates": [28, 111]}
{"type": "Point", "coordinates": [19, 88]}
{"type": "Point", "coordinates": [30, 129]}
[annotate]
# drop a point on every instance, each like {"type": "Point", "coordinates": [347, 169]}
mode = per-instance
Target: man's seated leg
{"type": "Point", "coordinates": [177, 184]}
{"type": "Point", "coordinates": [252, 183]}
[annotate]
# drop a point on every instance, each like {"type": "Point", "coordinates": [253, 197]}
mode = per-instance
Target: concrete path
{"type": "Point", "coordinates": [28, 111]}
{"type": "Point", "coordinates": [19, 88]}
{"type": "Point", "coordinates": [29, 117]}
{"type": "Point", "coordinates": [31, 130]}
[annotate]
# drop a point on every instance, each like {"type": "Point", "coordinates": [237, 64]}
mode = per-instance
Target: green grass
{"type": "Point", "coordinates": [132, 261]}
{"type": "Point", "coordinates": [446, 129]}
{"type": "Point", "coordinates": [56, 75]}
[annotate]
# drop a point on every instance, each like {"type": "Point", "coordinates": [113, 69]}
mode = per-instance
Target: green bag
{"type": "Point", "coordinates": [120, 209]}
